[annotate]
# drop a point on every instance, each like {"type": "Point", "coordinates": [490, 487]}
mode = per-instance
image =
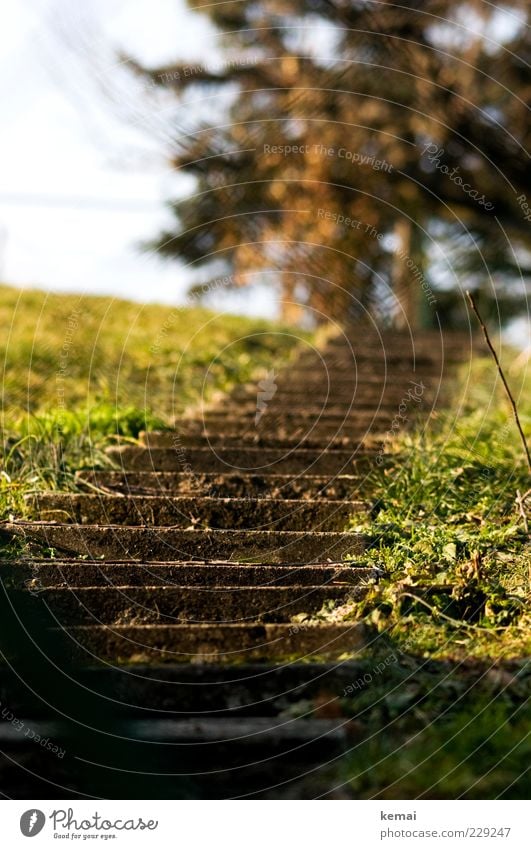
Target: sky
{"type": "Point", "coordinates": [82, 181]}
{"type": "Point", "coordinates": [83, 167]}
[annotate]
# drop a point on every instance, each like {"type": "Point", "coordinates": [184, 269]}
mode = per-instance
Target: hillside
{"type": "Point", "coordinates": [79, 370]}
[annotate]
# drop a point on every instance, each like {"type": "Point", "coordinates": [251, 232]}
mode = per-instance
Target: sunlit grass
{"type": "Point", "coordinates": [448, 517]}
{"type": "Point", "coordinates": [80, 371]}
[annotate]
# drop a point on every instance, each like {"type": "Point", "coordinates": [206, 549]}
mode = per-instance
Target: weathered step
{"type": "Point", "coordinates": [361, 373]}
{"type": "Point", "coordinates": [217, 643]}
{"type": "Point", "coordinates": [248, 733]}
{"type": "Point", "coordinates": [366, 357]}
{"type": "Point", "coordinates": [195, 758]}
{"type": "Point", "coordinates": [186, 512]}
{"type": "Point", "coordinates": [38, 573]}
{"type": "Point", "coordinates": [289, 417]}
{"type": "Point", "coordinates": [115, 542]}
{"type": "Point", "coordinates": [241, 414]}
{"type": "Point", "coordinates": [243, 459]}
{"type": "Point", "coordinates": [183, 689]}
{"type": "Point", "coordinates": [281, 443]}
{"type": "Point", "coordinates": [251, 436]}
{"type": "Point", "coordinates": [356, 380]}
{"type": "Point", "coordinates": [317, 398]}
{"type": "Point", "coordinates": [171, 605]}
{"type": "Point", "coordinates": [332, 383]}
{"type": "Point", "coordinates": [362, 342]}
{"type": "Point", "coordinates": [319, 406]}
{"type": "Point", "coordinates": [224, 485]}
{"type": "Point", "coordinates": [307, 406]}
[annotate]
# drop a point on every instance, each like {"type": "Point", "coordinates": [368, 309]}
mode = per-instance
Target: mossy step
{"type": "Point", "coordinates": [263, 486]}
{"type": "Point", "coordinates": [172, 605]}
{"type": "Point", "coordinates": [186, 512]}
{"type": "Point", "coordinates": [35, 574]}
{"type": "Point", "coordinates": [264, 435]}
{"type": "Point", "coordinates": [116, 542]}
{"type": "Point", "coordinates": [216, 643]}
{"type": "Point", "coordinates": [241, 459]}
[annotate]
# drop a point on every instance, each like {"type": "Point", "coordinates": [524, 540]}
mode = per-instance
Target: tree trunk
{"type": "Point", "coordinates": [406, 283]}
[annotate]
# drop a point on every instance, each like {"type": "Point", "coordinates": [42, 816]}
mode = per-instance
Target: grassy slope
{"type": "Point", "coordinates": [448, 516]}
{"type": "Point", "coordinates": [123, 354]}
{"type": "Point", "coordinates": [448, 717]}
{"type": "Point", "coordinates": [77, 371]}
{"type": "Point", "coordinates": [449, 696]}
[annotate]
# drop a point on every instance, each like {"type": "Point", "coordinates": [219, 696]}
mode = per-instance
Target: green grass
{"type": "Point", "coordinates": [445, 717]}
{"type": "Point", "coordinates": [449, 716]}
{"type": "Point", "coordinates": [474, 748]}
{"type": "Point", "coordinates": [79, 371]}
{"type": "Point", "coordinates": [448, 521]}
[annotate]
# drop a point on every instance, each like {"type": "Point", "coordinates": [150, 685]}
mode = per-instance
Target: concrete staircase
{"type": "Point", "coordinates": [187, 611]}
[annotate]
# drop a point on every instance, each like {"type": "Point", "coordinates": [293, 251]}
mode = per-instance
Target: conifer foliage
{"type": "Point", "coordinates": [355, 154]}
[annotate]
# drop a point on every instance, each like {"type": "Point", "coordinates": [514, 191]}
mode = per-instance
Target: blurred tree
{"type": "Point", "coordinates": [356, 143]}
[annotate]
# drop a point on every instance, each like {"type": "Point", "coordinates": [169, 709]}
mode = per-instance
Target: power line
{"type": "Point", "coordinates": [82, 203]}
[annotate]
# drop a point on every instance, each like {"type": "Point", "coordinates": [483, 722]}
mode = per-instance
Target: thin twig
{"type": "Point", "coordinates": [520, 503]}
{"type": "Point", "coordinates": [504, 381]}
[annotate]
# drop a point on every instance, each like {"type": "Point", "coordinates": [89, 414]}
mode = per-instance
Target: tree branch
{"type": "Point", "coordinates": [504, 381]}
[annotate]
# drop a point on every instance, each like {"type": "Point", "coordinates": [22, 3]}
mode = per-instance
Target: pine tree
{"type": "Point", "coordinates": [334, 172]}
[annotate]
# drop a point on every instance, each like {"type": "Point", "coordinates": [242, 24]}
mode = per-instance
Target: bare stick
{"type": "Point", "coordinates": [520, 503]}
{"type": "Point", "coordinates": [506, 385]}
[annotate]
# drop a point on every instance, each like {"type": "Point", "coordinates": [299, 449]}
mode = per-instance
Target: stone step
{"type": "Point", "coordinates": [263, 435]}
{"type": "Point", "coordinates": [225, 485]}
{"type": "Point", "coordinates": [175, 605]}
{"type": "Point", "coordinates": [249, 732]}
{"type": "Point", "coordinates": [189, 650]}
{"type": "Point", "coordinates": [351, 381]}
{"type": "Point", "coordinates": [216, 643]}
{"type": "Point", "coordinates": [241, 459]}
{"type": "Point", "coordinates": [116, 542]}
{"type": "Point", "coordinates": [233, 419]}
{"type": "Point", "coordinates": [365, 376]}
{"type": "Point", "coordinates": [228, 413]}
{"type": "Point", "coordinates": [317, 396]}
{"type": "Point", "coordinates": [198, 512]}
{"type": "Point", "coordinates": [182, 689]}
{"type": "Point", "coordinates": [35, 574]}
{"type": "Point", "coordinates": [345, 359]}
{"type": "Point", "coordinates": [363, 343]}
{"type": "Point", "coordinates": [306, 406]}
